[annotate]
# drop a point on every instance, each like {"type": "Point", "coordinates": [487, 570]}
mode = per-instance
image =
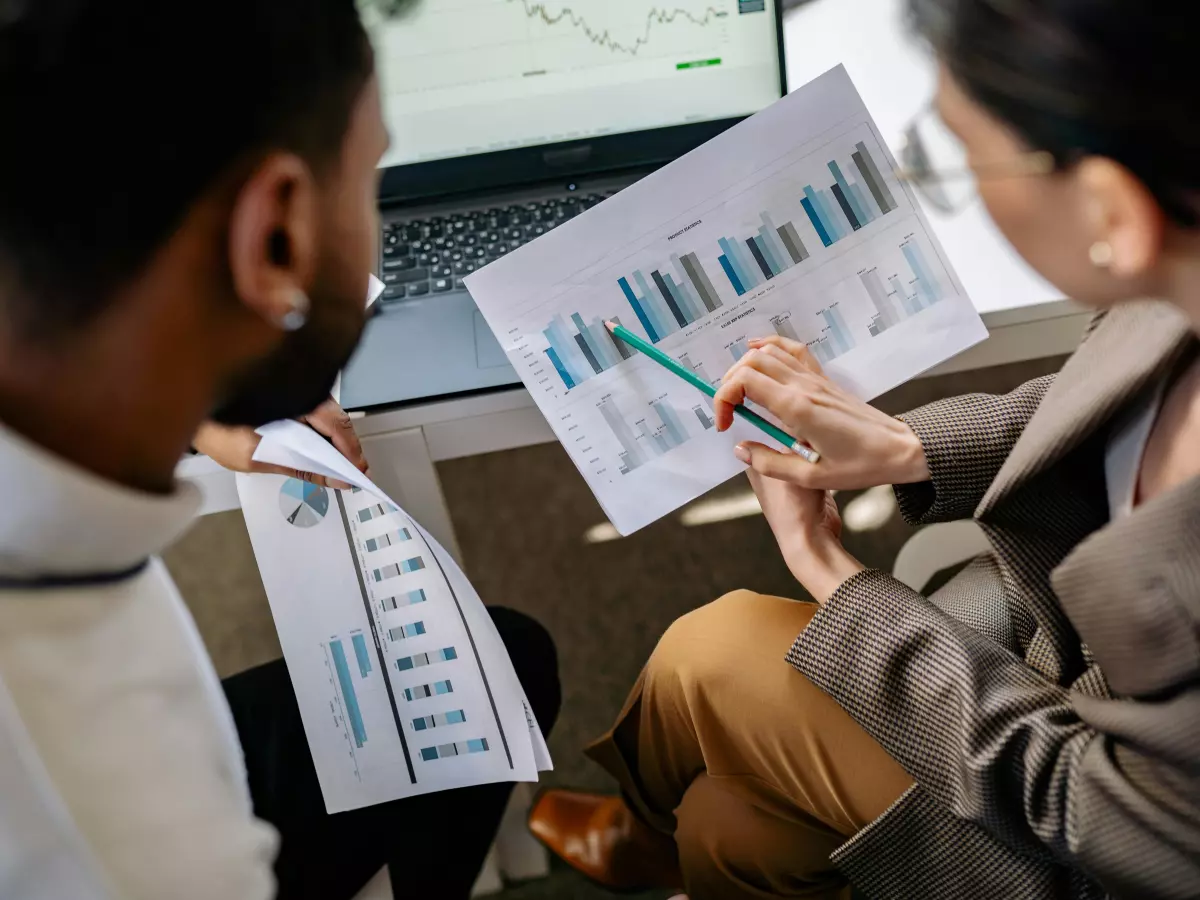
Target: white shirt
{"type": "Point", "coordinates": [121, 775]}
{"type": "Point", "coordinates": [1126, 447]}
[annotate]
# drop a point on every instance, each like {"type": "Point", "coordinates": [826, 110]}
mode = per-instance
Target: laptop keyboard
{"type": "Point", "coordinates": [433, 255]}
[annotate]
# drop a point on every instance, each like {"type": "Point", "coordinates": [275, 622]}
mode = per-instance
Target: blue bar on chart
{"type": "Point", "coordinates": [417, 660]}
{"type": "Point", "coordinates": [762, 256]}
{"type": "Point", "coordinates": [454, 717]}
{"type": "Point", "coordinates": [374, 512]}
{"type": "Point", "coordinates": [349, 697]}
{"type": "Point", "coordinates": [422, 691]}
{"type": "Point", "coordinates": [460, 748]}
{"type": "Point", "coordinates": [411, 630]}
{"type": "Point", "coordinates": [361, 655]}
{"type": "Point", "coordinates": [738, 349]}
{"type": "Point", "coordinates": [631, 455]}
{"type": "Point", "coordinates": [926, 285]}
{"type": "Point", "coordinates": [388, 540]}
{"type": "Point", "coordinates": [589, 350]}
{"type": "Point", "coordinates": [836, 331]}
{"type": "Point", "coordinates": [848, 205]}
{"type": "Point", "coordinates": [402, 600]}
{"type": "Point", "coordinates": [402, 568]}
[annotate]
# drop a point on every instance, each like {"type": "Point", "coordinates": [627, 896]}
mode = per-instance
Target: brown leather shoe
{"type": "Point", "coordinates": [602, 838]}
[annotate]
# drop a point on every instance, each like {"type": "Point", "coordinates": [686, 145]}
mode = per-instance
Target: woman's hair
{"type": "Point", "coordinates": [1114, 78]}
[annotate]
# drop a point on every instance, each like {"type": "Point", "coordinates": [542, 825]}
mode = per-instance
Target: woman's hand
{"type": "Point", "coordinates": [859, 445]}
{"type": "Point", "coordinates": [234, 448]}
{"type": "Point", "coordinates": [808, 529]}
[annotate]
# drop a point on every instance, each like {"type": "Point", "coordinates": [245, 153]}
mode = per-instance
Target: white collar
{"type": "Point", "coordinates": [57, 519]}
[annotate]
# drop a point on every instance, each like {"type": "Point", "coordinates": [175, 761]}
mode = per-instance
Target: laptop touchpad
{"type": "Point", "coordinates": [488, 354]}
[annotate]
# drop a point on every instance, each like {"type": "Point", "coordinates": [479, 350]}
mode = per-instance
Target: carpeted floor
{"type": "Point", "coordinates": [522, 518]}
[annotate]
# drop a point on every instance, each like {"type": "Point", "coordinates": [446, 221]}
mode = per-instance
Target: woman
{"type": "Point", "coordinates": [1033, 728]}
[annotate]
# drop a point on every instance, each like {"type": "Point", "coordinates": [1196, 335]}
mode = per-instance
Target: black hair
{"type": "Point", "coordinates": [1075, 78]}
{"type": "Point", "coordinates": [117, 115]}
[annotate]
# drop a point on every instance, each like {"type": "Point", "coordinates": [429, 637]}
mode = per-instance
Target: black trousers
{"type": "Point", "coordinates": [434, 845]}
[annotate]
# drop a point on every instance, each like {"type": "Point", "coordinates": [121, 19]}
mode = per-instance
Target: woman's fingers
{"type": "Point", "coordinates": [748, 382]}
{"type": "Point", "coordinates": [794, 349]}
{"type": "Point", "coordinates": [771, 463]}
{"type": "Point", "coordinates": [331, 420]}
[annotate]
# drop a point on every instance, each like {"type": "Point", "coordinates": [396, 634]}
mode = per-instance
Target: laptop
{"type": "Point", "coordinates": [510, 117]}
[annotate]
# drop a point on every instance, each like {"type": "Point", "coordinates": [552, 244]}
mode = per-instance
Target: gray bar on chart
{"type": "Point", "coordinates": [683, 294]}
{"type": "Point", "coordinates": [879, 298]}
{"type": "Point", "coordinates": [705, 420]}
{"type": "Point", "coordinates": [784, 328]}
{"type": "Point", "coordinates": [674, 426]}
{"type": "Point", "coordinates": [874, 179]}
{"type": "Point", "coordinates": [588, 355]}
{"type": "Point", "coordinates": [700, 279]}
{"type": "Point", "coordinates": [621, 429]}
{"type": "Point", "coordinates": [622, 348]}
{"type": "Point", "coordinates": [672, 304]}
{"type": "Point", "coordinates": [791, 240]}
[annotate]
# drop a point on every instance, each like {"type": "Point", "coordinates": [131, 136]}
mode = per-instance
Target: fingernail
{"type": "Point", "coordinates": [742, 453]}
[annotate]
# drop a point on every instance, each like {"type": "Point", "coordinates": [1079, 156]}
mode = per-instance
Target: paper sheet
{"type": "Point", "coordinates": [403, 682]}
{"type": "Point", "coordinates": [790, 223]}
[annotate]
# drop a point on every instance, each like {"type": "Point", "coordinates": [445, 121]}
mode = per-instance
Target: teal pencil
{"type": "Point", "coordinates": [806, 453]}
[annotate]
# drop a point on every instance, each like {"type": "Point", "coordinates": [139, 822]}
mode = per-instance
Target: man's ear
{"type": "Point", "coordinates": [273, 238]}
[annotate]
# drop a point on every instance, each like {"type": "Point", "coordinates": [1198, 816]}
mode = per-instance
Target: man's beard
{"type": "Point", "coordinates": [298, 376]}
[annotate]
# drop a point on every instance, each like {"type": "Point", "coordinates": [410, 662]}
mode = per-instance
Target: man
{"type": "Point", "coordinates": [187, 220]}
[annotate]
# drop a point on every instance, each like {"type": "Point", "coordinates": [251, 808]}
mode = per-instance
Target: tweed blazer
{"type": "Point", "coordinates": [1046, 701]}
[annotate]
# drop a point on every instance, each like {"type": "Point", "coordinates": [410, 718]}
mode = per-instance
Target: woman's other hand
{"type": "Point", "coordinates": [859, 445]}
{"type": "Point", "coordinates": [234, 447]}
{"type": "Point", "coordinates": [808, 529]}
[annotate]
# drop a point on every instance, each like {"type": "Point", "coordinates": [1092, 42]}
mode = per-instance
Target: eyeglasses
{"type": "Point", "coordinates": [934, 161]}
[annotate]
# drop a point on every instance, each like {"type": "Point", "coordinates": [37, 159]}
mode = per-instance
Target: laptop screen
{"type": "Point", "coordinates": [463, 77]}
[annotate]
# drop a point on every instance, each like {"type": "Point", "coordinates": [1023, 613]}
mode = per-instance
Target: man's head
{"type": "Point", "coordinates": [190, 176]}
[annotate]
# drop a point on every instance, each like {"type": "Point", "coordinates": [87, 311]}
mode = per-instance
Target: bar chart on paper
{"type": "Point", "coordinates": [792, 223]}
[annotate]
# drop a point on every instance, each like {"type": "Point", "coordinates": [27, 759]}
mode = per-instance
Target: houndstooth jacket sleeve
{"type": "Point", "coordinates": [1108, 786]}
{"type": "Point", "coordinates": [966, 440]}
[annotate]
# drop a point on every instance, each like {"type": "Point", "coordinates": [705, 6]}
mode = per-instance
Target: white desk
{"type": "Point", "coordinates": [1026, 317]}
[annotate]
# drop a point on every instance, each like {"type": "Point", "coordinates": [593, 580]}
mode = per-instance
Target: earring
{"type": "Point", "coordinates": [295, 318]}
{"type": "Point", "coordinates": [1101, 254]}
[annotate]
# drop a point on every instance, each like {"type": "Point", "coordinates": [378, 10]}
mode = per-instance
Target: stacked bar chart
{"type": "Point", "coordinates": [406, 631]}
{"type": "Point", "coordinates": [401, 568]}
{"type": "Point", "coordinates": [761, 256]}
{"type": "Point", "coordinates": [402, 600]}
{"type": "Point", "coordinates": [388, 540]}
{"type": "Point", "coordinates": [374, 512]}
{"type": "Point", "coordinates": [459, 748]}
{"type": "Point", "coordinates": [642, 440]}
{"type": "Point", "coordinates": [454, 717]}
{"type": "Point", "coordinates": [417, 660]}
{"type": "Point", "coordinates": [848, 204]}
{"type": "Point", "coordinates": [665, 302]}
{"type": "Point", "coordinates": [423, 691]}
{"type": "Point", "coordinates": [349, 696]}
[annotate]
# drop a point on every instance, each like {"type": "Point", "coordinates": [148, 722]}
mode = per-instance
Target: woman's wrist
{"type": "Point", "coordinates": [911, 465]}
{"type": "Point", "coordinates": [822, 566]}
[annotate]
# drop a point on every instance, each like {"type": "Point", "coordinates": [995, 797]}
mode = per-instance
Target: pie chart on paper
{"type": "Point", "coordinates": [302, 504]}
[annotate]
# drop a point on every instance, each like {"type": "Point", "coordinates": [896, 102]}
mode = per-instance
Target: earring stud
{"type": "Point", "coordinates": [296, 317]}
{"type": "Point", "coordinates": [1101, 254]}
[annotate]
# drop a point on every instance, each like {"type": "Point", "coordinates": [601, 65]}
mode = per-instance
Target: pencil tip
{"type": "Point", "coordinates": [609, 325]}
